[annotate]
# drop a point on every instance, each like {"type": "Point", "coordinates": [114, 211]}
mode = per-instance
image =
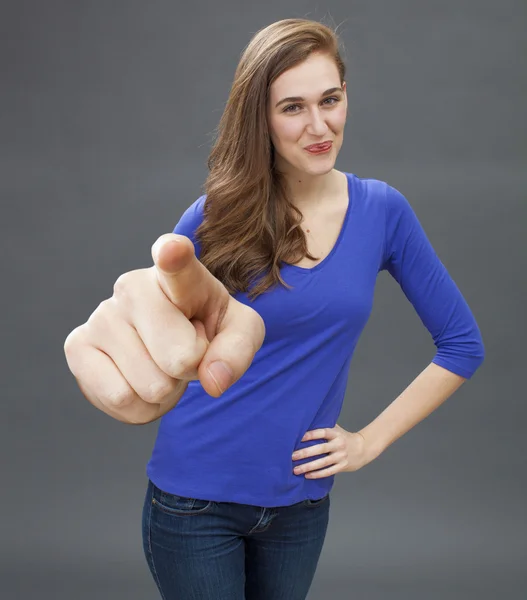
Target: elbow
{"type": "Point", "coordinates": [478, 349]}
{"type": "Point", "coordinates": [460, 345]}
{"type": "Point", "coordinates": [463, 357]}
{"type": "Point", "coordinates": [479, 355]}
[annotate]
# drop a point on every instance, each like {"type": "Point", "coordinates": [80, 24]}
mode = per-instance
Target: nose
{"type": "Point", "coordinates": [317, 125]}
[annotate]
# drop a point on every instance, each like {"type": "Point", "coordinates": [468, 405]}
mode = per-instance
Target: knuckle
{"type": "Point", "coordinates": [180, 362]}
{"type": "Point", "coordinates": [258, 327]}
{"type": "Point", "coordinates": [75, 347]}
{"type": "Point", "coordinates": [240, 341]}
{"type": "Point", "coordinates": [102, 314]}
{"type": "Point", "coordinates": [254, 329]}
{"type": "Point", "coordinates": [122, 283]}
{"type": "Point", "coordinates": [158, 391]}
{"type": "Point", "coordinates": [100, 323]}
{"type": "Point", "coordinates": [120, 398]}
{"type": "Point", "coordinates": [244, 343]}
{"type": "Point", "coordinates": [125, 284]}
{"type": "Point", "coordinates": [74, 340]}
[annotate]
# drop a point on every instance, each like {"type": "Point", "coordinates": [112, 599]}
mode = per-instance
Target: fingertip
{"type": "Point", "coordinates": [216, 378]}
{"type": "Point", "coordinates": [208, 384]}
{"type": "Point", "coordinates": [157, 245]}
{"type": "Point", "coordinates": [169, 250]}
{"type": "Point", "coordinates": [221, 374]}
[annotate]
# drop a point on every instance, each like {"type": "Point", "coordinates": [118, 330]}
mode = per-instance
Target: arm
{"type": "Point", "coordinates": [426, 393]}
{"type": "Point", "coordinates": [410, 259]}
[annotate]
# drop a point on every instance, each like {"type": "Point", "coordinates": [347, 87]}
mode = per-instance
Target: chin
{"type": "Point", "coordinates": [323, 168]}
{"type": "Point", "coordinates": [314, 166]}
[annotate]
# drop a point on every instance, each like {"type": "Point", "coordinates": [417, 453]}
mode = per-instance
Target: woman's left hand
{"type": "Point", "coordinates": [346, 451]}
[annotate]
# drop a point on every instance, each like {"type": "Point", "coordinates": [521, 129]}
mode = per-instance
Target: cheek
{"type": "Point", "coordinates": [338, 119]}
{"type": "Point", "coordinates": [287, 130]}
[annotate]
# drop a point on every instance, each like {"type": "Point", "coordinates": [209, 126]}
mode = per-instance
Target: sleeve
{"type": "Point", "coordinates": [190, 220]}
{"type": "Point", "coordinates": [411, 260]}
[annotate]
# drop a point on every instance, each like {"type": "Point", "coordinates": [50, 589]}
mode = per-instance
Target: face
{"type": "Point", "coordinates": [307, 106]}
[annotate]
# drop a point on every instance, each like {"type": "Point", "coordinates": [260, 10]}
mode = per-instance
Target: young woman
{"type": "Point", "coordinates": [245, 352]}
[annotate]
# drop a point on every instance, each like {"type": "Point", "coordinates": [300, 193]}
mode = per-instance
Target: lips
{"type": "Point", "coordinates": [324, 146]}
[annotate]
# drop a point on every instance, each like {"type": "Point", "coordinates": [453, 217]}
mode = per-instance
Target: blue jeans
{"type": "Point", "coordinates": [204, 550]}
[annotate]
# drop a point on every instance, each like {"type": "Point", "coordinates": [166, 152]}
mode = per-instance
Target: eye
{"type": "Point", "coordinates": [287, 108]}
{"type": "Point", "coordinates": [333, 99]}
{"type": "Point", "coordinates": [330, 101]}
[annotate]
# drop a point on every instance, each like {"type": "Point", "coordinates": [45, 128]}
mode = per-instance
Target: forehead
{"type": "Point", "coordinates": [310, 78]}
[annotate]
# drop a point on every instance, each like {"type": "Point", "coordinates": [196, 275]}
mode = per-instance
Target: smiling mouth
{"type": "Point", "coordinates": [319, 148]}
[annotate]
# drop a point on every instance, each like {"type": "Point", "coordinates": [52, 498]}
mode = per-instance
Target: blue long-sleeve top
{"type": "Point", "coordinates": [237, 448]}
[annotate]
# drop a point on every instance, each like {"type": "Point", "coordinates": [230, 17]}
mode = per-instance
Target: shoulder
{"type": "Point", "coordinates": [191, 217]}
{"type": "Point", "coordinates": [371, 191]}
{"type": "Point", "coordinates": [190, 220]}
{"type": "Point", "coordinates": [195, 210]}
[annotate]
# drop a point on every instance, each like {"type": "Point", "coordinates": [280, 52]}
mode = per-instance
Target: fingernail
{"type": "Point", "coordinates": [221, 374]}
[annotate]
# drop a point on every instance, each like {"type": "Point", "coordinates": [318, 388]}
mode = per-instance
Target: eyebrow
{"type": "Point", "coordinates": [300, 99]}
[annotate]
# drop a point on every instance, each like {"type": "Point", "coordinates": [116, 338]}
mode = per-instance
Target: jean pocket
{"type": "Point", "coordinates": [314, 503]}
{"type": "Point", "coordinates": [180, 505]}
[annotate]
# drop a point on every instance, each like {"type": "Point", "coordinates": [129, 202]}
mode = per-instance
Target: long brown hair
{"type": "Point", "coordinates": [250, 226]}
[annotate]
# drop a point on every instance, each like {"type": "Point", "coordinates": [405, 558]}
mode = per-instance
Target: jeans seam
{"type": "Point", "coordinates": [255, 528]}
{"type": "Point", "coordinates": [150, 545]}
{"type": "Point", "coordinates": [168, 510]}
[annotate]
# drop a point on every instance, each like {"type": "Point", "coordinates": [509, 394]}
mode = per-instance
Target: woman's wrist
{"type": "Point", "coordinates": [372, 447]}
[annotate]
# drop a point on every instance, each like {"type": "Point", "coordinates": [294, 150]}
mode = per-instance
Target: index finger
{"type": "Point", "coordinates": [184, 280]}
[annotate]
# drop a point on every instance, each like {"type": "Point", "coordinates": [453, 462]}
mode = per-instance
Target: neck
{"type": "Point", "coordinates": [307, 190]}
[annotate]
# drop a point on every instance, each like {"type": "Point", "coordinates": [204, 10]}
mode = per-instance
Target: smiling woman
{"type": "Point", "coordinates": [242, 333]}
{"type": "Point", "coordinates": [300, 243]}
{"type": "Point", "coordinates": [273, 160]}
{"type": "Point", "coordinates": [311, 124]}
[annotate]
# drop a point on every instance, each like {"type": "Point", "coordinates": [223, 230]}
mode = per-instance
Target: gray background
{"type": "Point", "coordinates": [107, 114]}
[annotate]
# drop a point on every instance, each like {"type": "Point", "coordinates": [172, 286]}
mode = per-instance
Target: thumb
{"type": "Point", "coordinates": [231, 352]}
